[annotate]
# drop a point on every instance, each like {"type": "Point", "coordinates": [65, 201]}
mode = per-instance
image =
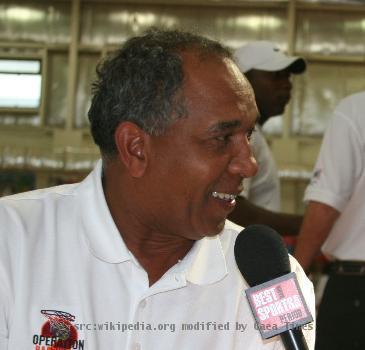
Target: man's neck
{"type": "Point", "coordinates": [156, 251]}
{"type": "Point", "coordinates": [157, 255]}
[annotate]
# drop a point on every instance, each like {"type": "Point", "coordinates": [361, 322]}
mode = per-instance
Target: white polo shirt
{"type": "Point", "coordinates": [339, 179]}
{"type": "Point", "coordinates": [60, 250]}
{"type": "Point", "coordinates": [263, 189]}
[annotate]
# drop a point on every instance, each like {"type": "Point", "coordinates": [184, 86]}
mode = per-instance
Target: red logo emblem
{"type": "Point", "coordinates": [58, 332]}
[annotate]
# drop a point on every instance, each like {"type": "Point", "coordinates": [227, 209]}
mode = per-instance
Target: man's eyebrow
{"type": "Point", "coordinates": [222, 126]}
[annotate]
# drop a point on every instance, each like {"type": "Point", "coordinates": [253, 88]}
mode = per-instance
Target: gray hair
{"type": "Point", "coordinates": [142, 83]}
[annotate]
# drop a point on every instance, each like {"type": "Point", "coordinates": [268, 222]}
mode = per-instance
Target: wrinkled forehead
{"type": "Point", "coordinates": [239, 82]}
{"type": "Point", "coordinates": [215, 80]}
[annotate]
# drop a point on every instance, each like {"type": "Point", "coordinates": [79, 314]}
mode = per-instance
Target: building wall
{"type": "Point", "coordinates": [70, 37]}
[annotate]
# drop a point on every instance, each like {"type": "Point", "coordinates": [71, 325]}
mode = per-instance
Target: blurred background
{"type": "Point", "coordinates": [49, 50]}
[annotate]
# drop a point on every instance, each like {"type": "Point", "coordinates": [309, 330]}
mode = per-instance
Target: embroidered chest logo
{"type": "Point", "coordinates": [58, 332]}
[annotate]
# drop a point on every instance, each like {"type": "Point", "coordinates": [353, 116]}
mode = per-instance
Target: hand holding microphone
{"type": "Point", "coordinates": [275, 296]}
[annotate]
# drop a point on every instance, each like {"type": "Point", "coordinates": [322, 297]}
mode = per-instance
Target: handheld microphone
{"type": "Point", "coordinates": [264, 263]}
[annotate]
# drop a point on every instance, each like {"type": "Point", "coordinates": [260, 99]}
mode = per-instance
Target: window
{"type": "Point", "coordinates": [20, 83]}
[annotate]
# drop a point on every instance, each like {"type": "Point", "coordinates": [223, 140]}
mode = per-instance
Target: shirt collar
{"type": "Point", "coordinates": [206, 261]}
{"type": "Point", "coordinates": [204, 264]}
{"type": "Point", "coordinates": [102, 236]}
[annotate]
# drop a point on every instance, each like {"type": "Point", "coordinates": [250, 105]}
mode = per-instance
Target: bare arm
{"type": "Point", "coordinates": [247, 213]}
{"type": "Point", "coordinates": [317, 224]}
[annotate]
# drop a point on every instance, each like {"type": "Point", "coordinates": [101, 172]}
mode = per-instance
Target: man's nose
{"type": "Point", "coordinates": [243, 162]}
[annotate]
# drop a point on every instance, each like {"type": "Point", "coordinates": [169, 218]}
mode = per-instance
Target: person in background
{"type": "Point", "coordinates": [334, 222]}
{"type": "Point", "coordinates": [269, 71]}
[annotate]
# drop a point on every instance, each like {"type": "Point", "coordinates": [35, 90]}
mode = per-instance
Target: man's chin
{"type": "Point", "coordinates": [217, 228]}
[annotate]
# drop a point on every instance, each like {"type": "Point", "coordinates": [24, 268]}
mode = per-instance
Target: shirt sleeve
{"type": "Point", "coordinates": [307, 289]}
{"type": "Point", "coordinates": [3, 322]}
{"type": "Point", "coordinates": [338, 165]}
{"type": "Point", "coordinates": [4, 298]}
{"type": "Point", "coordinates": [7, 273]}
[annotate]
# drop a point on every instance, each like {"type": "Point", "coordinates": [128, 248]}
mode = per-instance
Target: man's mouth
{"type": "Point", "coordinates": [224, 196]}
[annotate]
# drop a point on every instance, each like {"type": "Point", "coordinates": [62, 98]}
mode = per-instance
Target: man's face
{"type": "Point", "coordinates": [197, 166]}
{"type": "Point", "coordinates": [272, 91]}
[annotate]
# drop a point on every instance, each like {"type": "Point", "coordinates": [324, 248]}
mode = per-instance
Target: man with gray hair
{"type": "Point", "coordinates": [139, 255]}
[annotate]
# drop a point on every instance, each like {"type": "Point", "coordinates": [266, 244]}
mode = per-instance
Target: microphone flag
{"type": "Point", "coordinates": [278, 305]}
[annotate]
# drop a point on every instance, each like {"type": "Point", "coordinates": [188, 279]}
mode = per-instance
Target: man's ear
{"type": "Point", "coordinates": [130, 140]}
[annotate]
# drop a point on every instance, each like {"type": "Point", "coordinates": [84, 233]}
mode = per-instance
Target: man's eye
{"type": "Point", "coordinates": [224, 138]}
{"type": "Point", "coordinates": [249, 134]}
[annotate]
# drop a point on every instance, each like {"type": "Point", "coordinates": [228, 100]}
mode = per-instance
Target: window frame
{"type": "Point", "coordinates": [41, 58]}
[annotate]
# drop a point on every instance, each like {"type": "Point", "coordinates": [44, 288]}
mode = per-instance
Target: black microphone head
{"type": "Point", "coordinates": [261, 254]}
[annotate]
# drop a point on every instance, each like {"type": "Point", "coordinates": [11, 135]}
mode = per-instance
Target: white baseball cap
{"type": "Point", "coordinates": [266, 56]}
